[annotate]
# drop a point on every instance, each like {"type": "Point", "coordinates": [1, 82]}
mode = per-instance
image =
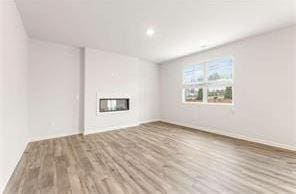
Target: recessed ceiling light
{"type": "Point", "coordinates": [150, 32]}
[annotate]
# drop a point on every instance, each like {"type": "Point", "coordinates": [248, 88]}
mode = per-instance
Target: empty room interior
{"type": "Point", "coordinates": [147, 96]}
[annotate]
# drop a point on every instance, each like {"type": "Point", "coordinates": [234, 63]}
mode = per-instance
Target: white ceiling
{"type": "Point", "coordinates": [181, 26]}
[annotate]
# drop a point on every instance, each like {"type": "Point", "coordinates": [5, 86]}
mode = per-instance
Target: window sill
{"type": "Point", "coordinates": [211, 104]}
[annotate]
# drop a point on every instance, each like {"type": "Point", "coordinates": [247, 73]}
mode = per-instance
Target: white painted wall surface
{"type": "Point", "coordinates": [54, 90]}
{"type": "Point", "coordinates": [13, 89]}
{"type": "Point", "coordinates": [111, 75]}
{"type": "Point", "coordinates": [264, 90]}
{"type": "Point", "coordinates": [149, 97]}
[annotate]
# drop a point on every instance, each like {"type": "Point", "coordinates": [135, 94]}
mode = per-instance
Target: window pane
{"type": "Point", "coordinates": [188, 75]}
{"type": "Point", "coordinates": [198, 73]}
{"type": "Point", "coordinates": [193, 74]}
{"type": "Point", "coordinates": [219, 70]}
{"type": "Point", "coordinates": [220, 94]}
{"type": "Point", "coordinates": [193, 95]}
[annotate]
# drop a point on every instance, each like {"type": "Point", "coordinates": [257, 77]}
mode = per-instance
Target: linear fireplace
{"type": "Point", "coordinates": [114, 104]}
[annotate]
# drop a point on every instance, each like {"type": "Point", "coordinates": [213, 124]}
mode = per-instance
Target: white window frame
{"type": "Point", "coordinates": [205, 85]}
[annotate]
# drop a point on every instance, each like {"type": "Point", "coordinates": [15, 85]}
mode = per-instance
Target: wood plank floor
{"type": "Point", "coordinates": [153, 158]}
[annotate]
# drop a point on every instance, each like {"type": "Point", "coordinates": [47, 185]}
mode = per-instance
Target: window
{"type": "Point", "coordinates": [210, 82]}
{"type": "Point", "coordinates": [193, 94]}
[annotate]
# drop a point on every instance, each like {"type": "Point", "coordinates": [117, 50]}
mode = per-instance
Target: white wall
{"type": "Point", "coordinates": [115, 75]}
{"type": "Point", "coordinates": [264, 90]}
{"type": "Point", "coordinates": [13, 89]}
{"type": "Point", "coordinates": [54, 90]}
{"type": "Point", "coordinates": [149, 97]}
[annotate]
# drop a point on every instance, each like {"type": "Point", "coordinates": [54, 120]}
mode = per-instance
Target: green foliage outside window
{"type": "Point", "coordinates": [228, 93]}
{"type": "Point", "coordinates": [199, 94]}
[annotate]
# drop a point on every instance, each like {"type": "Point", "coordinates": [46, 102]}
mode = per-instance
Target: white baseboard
{"type": "Point", "coordinates": [237, 136]}
{"type": "Point", "coordinates": [149, 121]}
{"type": "Point", "coordinates": [63, 134]}
{"type": "Point", "coordinates": [87, 131]}
{"type": "Point", "coordinates": [219, 132]}
{"type": "Point", "coordinates": [105, 129]}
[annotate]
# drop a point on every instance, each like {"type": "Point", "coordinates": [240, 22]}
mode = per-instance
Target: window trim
{"type": "Point", "coordinates": [206, 84]}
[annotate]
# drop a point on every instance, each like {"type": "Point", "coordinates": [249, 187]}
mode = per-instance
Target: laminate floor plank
{"type": "Point", "coordinates": [153, 158]}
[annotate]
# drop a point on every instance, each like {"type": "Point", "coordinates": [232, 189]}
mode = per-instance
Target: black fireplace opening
{"type": "Point", "coordinates": [114, 104]}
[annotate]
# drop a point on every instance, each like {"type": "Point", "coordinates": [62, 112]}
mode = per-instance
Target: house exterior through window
{"type": "Point", "coordinates": [209, 82]}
